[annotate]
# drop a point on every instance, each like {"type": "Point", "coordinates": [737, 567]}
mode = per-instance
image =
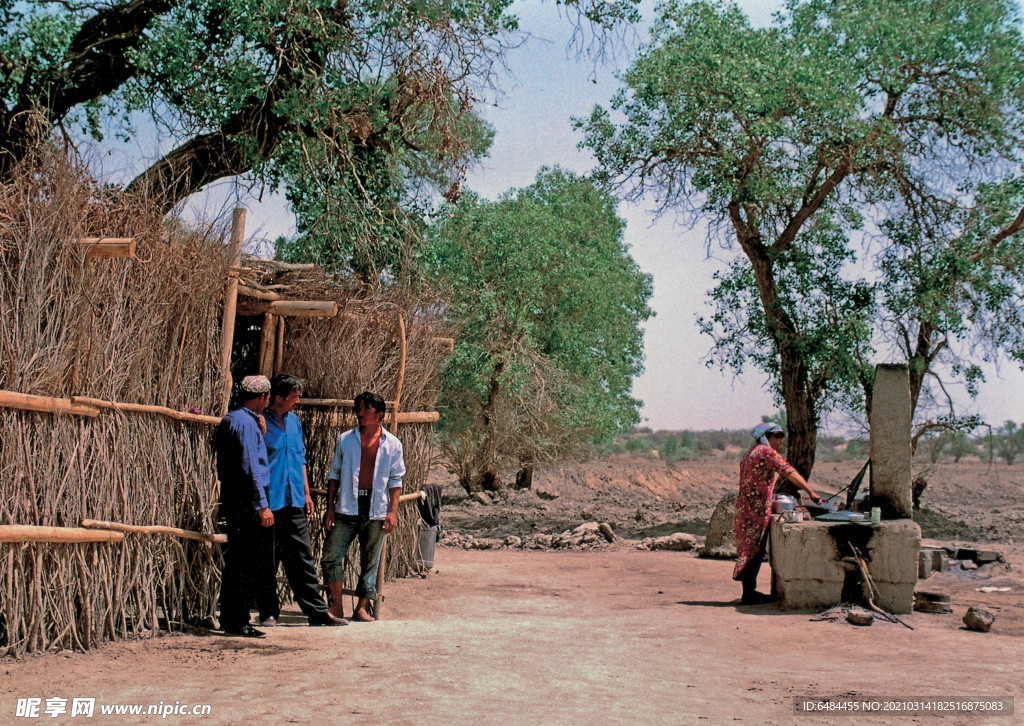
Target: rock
{"type": "Point", "coordinates": [979, 619]}
{"type": "Point", "coordinates": [606, 530]}
{"type": "Point", "coordinates": [719, 553]}
{"type": "Point", "coordinates": [483, 498]}
{"type": "Point", "coordinates": [513, 541]}
{"type": "Point", "coordinates": [678, 542]}
{"type": "Point", "coordinates": [547, 496]}
{"type": "Point", "coordinates": [968, 565]}
{"type": "Point", "coordinates": [986, 557]}
{"type": "Point", "coordinates": [858, 616]}
{"type": "Point", "coordinates": [483, 543]}
{"type": "Point", "coordinates": [719, 538]}
{"type": "Point", "coordinates": [541, 542]}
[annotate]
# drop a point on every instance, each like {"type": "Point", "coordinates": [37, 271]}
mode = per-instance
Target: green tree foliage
{"type": "Point", "coordinates": [1010, 441]}
{"type": "Point", "coordinates": [325, 92]}
{"type": "Point", "coordinates": [896, 122]}
{"type": "Point", "coordinates": [549, 304]}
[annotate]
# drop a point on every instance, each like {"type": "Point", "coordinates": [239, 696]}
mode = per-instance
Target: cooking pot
{"type": "Point", "coordinates": [783, 503]}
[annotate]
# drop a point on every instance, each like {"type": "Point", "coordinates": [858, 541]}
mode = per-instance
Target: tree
{"type": "Point", "coordinates": [270, 89]}
{"type": "Point", "coordinates": [549, 305]}
{"type": "Point", "coordinates": [798, 139]}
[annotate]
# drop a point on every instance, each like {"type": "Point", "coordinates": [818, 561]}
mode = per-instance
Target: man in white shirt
{"type": "Point", "coordinates": [363, 487]}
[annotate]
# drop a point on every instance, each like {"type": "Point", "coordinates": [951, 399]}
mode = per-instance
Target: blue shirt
{"type": "Point", "coordinates": [287, 454]}
{"type": "Point", "coordinates": [241, 463]}
{"type": "Point", "coordinates": [388, 471]}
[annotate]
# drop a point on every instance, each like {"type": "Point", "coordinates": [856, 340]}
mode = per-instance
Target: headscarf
{"type": "Point", "coordinates": [761, 431]}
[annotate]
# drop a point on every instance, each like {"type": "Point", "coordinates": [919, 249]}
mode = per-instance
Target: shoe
{"type": "Point", "coordinates": [270, 622]}
{"type": "Point", "coordinates": [246, 631]}
{"type": "Point", "coordinates": [327, 619]}
{"type": "Point", "coordinates": [756, 598]}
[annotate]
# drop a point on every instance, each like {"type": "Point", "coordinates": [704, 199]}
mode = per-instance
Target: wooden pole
{"type": "Point", "coordinates": [292, 308]}
{"type": "Point", "coordinates": [154, 529]}
{"type": "Point", "coordinates": [227, 323]}
{"type": "Point", "coordinates": [401, 369]}
{"type": "Point", "coordinates": [29, 402]}
{"type": "Point", "coordinates": [107, 247]}
{"type": "Point", "coordinates": [145, 408]}
{"type": "Point", "coordinates": [258, 294]}
{"type": "Point", "coordinates": [32, 533]}
{"type": "Point", "coordinates": [267, 339]}
{"type": "Point", "coordinates": [279, 347]}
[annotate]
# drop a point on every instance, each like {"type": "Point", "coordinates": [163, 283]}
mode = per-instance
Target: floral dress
{"type": "Point", "coordinates": [758, 472]}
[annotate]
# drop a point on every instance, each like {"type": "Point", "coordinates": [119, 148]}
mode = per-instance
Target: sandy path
{"type": "Point", "coordinates": [511, 637]}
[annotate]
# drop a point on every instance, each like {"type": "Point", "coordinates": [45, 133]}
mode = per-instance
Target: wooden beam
{"type": "Point", "coordinates": [279, 347]}
{"type": "Point", "coordinates": [31, 533]}
{"type": "Point", "coordinates": [292, 308]}
{"type": "Point", "coordinates": [265, 360]}
{"type": "Point", "coordinates": [227, 322]}
{"type": "Point", "coordinates": [155, 529]}
{"type": "Point", "coordinates": [257, 294]}
{"type": "Point", "coordinates": [28, 402]}
{"type": "Point", "coordinates": [107, 247]}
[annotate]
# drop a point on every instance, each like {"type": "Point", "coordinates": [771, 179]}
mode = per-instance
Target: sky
{"type": "Point", "coordinates": [547, 85]}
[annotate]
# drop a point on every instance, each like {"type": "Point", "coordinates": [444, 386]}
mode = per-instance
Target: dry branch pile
{"type": "Point", "coordinates": [147, 330]}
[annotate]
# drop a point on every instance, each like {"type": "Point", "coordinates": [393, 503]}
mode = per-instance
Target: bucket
{"type": "Point", "coordinates": [425, 550]}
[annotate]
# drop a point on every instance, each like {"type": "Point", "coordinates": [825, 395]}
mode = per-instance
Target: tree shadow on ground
{"type": "Point", "coordinates": [687, 526]}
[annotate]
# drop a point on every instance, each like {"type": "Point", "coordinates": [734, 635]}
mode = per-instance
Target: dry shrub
{"type": "Point", "coordinates": [147, 330]}
{"type": "Point", "coordinates": [142, 330]}
{"type": "Point", "coordinates": [359, 350]}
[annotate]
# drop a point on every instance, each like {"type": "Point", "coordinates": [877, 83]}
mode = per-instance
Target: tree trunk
{"type": "Point", "coordinates": [801, 412]}
{"type": "Point", "coordinates": [487, 476]}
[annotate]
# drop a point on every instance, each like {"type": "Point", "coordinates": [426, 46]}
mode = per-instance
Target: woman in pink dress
{"type": "Point", "coordinates": [759, 470]}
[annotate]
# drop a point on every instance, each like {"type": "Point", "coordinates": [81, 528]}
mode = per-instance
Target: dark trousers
{"type": "Point", "coordinates": [248, 568]}
{"type": "Point", "coordinates": [291, 547]}
{"type": "Point", "coordinates": [749, 575]}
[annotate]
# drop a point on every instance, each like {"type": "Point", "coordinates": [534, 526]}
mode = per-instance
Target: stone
{"type": "Point", "coordinates": [513, 541]}
{"type": "Point", "coordinates": [968, 565]}
{"type": "Point", "coordinates": [482, 498]}
{"type": "Point", "coordinates": [719, 536]}
{"type": "Point", "coordinates": [979, 619]}
{"type": "Point", "coordinates": [542, 542]}
{"type": "Point", "coordinates": [606, 530]}
{"type": "Point", "coordinates": [678, 542]}
{"type": "Point", "coordinates": [986, 557]}
{"type": "Point", "coordinates": [857, 616]}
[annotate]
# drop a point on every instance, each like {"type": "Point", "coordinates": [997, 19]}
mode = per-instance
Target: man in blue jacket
{"type": "Point", "coordinates": [291, 504]}
{"type": "Point", "coordinates": [364, 484]}
{"type": "Point", "coordinates": [244, 478]}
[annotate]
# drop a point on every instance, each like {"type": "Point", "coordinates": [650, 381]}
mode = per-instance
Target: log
{"type": "Point", "coordinates": [32, 533]}
{"type": "Point", "coordinates": [107, 247]}
{"type": "Point", "coordinates": [286, 266]}
{"type": "Point", "coordinates": [146, 408]}
{"type": "Point", "coordinates": [292, 308]}
{"type": "Point", "coordinates": [154, 529]}
{"type": "Point", "coordinates": [29, 402]}
{"type": "Point", "coordinates": [227, 323]}
{"type": "Point", "coordinates": [258, 294]}
{"type": "Point", "coordinates": [401, 369]}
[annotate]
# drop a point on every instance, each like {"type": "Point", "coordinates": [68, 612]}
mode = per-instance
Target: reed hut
{"type": "Point", "coordinates": [119, 336]}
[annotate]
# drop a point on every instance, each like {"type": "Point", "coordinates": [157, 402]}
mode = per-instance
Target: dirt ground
{"type": "Point", "coordinates": [616, 635]}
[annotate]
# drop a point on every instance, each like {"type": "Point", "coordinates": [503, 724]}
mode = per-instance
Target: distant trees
{"type": "Point", "coordinates": [549, 305]}
{"type": "Point", "coordinates": [899, 123]}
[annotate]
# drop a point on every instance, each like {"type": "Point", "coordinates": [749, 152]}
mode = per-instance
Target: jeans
{"type": "Point", "coordinates": [371, 539]}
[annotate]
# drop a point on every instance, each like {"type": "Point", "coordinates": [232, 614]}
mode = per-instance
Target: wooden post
{"type": "Point", "coordinates": [227, 323]}
{"type": "Point", "coordinates": [279, 347]}
{"type": "Point", "coordinates": [267, 338]}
